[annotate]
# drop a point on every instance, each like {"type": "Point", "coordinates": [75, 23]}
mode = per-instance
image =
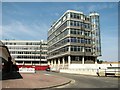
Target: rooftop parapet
{"type": "Point", "coordinates": [93, 14]}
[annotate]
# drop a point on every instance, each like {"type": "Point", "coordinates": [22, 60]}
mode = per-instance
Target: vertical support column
{"type": "Point", "coordinates": [31, 62]}
{"type": "Point", "coordinates": [55, 63]}
{"type": "Point", "coordinates": [83, 60]}
{"type": "Point", "coordinates": [69, 60]}
{"type": "Point", "coordinates": [48, 62]}
{"type": "Point", "coordinates": [69, 31]}
{"type": "Point", "coordinates": [69, 48]}
{"type": "Point", "coordinates": [63, 60]}
{"type": "Point", "coordinates": [95, 60]}
{"type": "Point", "coordinates": [58, 63]}
{"type": "Point", "coordinates": [51, 63]}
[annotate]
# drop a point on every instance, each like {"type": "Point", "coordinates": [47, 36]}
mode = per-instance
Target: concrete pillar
{"type": "Point", "coordinates": [52, 63]}
{"type": "Point", "coordinates": [63, 60]}
{"type": "Point", "coordinates": [68, 31]}
{"type": "Point", "coordinates": [83, 61]}
{"type": "Point", "coordinates": [49, 62]}
{"type": "Point", "coordinates": [55, 62]}
{"type": "Point", "coordinates": [58, 63]}
{"type": "Point", "coordinates": [69, 60]}
{"type": "Point", "coordinates": [95, 60]}
{"type": "Point", "coordinates": [69, 48]}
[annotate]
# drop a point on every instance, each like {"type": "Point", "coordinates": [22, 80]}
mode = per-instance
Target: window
{"type": "Point", "coordinates": [88, 49]}
{"type": "Point", "coordinates": [74, 15]}
{"type": "Point", "coordinates": [71, 23]}
{"type": "Point", "coordinates": [75, 48]}
{"type": "Point", "coordinates": [79, 49]}
{"type": "Point", "coordinates": [82, 40]}
{"type": "Point", "coordinates": [78, 16]}
{"type": "Point", "coordinates": [72, 49]}
{"type": "Point", "coordinates": [71, 15]}
{"type": "Point", "coordinates": [73, 40]}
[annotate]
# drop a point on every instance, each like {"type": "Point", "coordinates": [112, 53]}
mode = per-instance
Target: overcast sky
{"type": "Point", "coordinates": [31, 21]}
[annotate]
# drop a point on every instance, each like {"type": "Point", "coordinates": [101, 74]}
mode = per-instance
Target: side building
{"type": "Point", "coordinates": [27, 53]}
{"type": "Point", "coordinates": [5, 60]}
{"type": "Point", "coordinates": [74, 39]}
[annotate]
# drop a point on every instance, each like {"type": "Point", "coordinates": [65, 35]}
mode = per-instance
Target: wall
{"type": "Point", "coordinates": [37, 67]}
{"type": "Point", "coordinates": [86, 69]}
{"type": "Point", "coordinates": [91, 66]}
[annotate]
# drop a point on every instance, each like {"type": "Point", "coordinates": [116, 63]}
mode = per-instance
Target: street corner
{"type": "Point", "coordinates": [36, 81]}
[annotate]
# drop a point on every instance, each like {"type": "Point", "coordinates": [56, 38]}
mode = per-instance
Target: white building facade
{"type": "Point", "coordinates": [74, 39]}
{"type": "Point", "coordinates": [28, 53]}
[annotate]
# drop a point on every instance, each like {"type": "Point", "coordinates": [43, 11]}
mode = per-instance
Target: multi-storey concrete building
{"type": "Point", "coordinates": [74, 38]}
{"type": "Point", "coordinates": [28, 53]}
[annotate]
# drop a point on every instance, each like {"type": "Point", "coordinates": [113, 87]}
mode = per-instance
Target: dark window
{"type": "Point", "coordinates": [71, 48]}
{"type": "Point", "coordinates": [82, 40]}
{"type": "Point", "coordinates": [75, 48]}
{"type": "Point", "coordinates": [78, 48]}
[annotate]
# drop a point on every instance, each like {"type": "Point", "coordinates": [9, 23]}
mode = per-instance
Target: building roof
{"type": "Point", "coordinates": [4, 48]}
{"type": "Point", "coordinates": [24, 41]}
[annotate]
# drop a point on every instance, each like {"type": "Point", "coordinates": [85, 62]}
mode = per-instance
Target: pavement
{"type": "Point", "coordinates": [33, 80]}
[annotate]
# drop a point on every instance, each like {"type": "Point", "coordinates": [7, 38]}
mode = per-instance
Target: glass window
{"type": "Point", "coordinates": [74, 31]}
{"type": "Point", "coordinates": [82, 40]}
{"type": "Point", "coordinates": [75, 48]}
{"type": "Point", "coordinates": [79, 40]}
{"type": "Point", "coordinates": [71, 31]}
{"type": "Point", "coordinates": [71, 23]}
{"type": "Point", "coordinates": [86, 41]}
{"type": "Point", "coordinates": [79, 49]}
{"type": "Point", "coordinates": [71, 48]}
{"type": "Point", "coordinates": [75, 15]}
{"type": "Point", "coordinates": [74, 40]}
{"type": "Point", "coordinates": [78, 24]}
{"type": "Point", "coordinates": [68, 40]}
{"type": "Point", "coordinates": [89, 41]}
{"type": "Point", "coordinates": [71, 15]}
{"type": "Point", "coordinates": [75, 23]}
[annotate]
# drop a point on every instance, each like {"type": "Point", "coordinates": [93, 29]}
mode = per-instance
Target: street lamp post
{"type": "Point", "coordinates": [35, 57]}
{"type": "Point", "coordinates": [40, 54]}
{"type": "Point", "coordinates": [33, 64]}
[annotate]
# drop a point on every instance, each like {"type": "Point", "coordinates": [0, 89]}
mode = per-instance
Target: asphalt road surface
{"type": "Point", "coordinates": [87, 81]}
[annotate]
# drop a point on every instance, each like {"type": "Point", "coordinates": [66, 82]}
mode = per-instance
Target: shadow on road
{"type": "Point", "coordinates": [14, 74]}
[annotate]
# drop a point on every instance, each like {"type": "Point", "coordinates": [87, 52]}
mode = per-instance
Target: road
{"type": "Point", "coordinates": [87, 81]}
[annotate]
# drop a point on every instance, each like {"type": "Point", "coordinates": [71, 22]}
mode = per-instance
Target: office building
{"type": "Point", "coordinates": [74, 39]}
{"type": "Point", "coordinates": [28, 53]}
